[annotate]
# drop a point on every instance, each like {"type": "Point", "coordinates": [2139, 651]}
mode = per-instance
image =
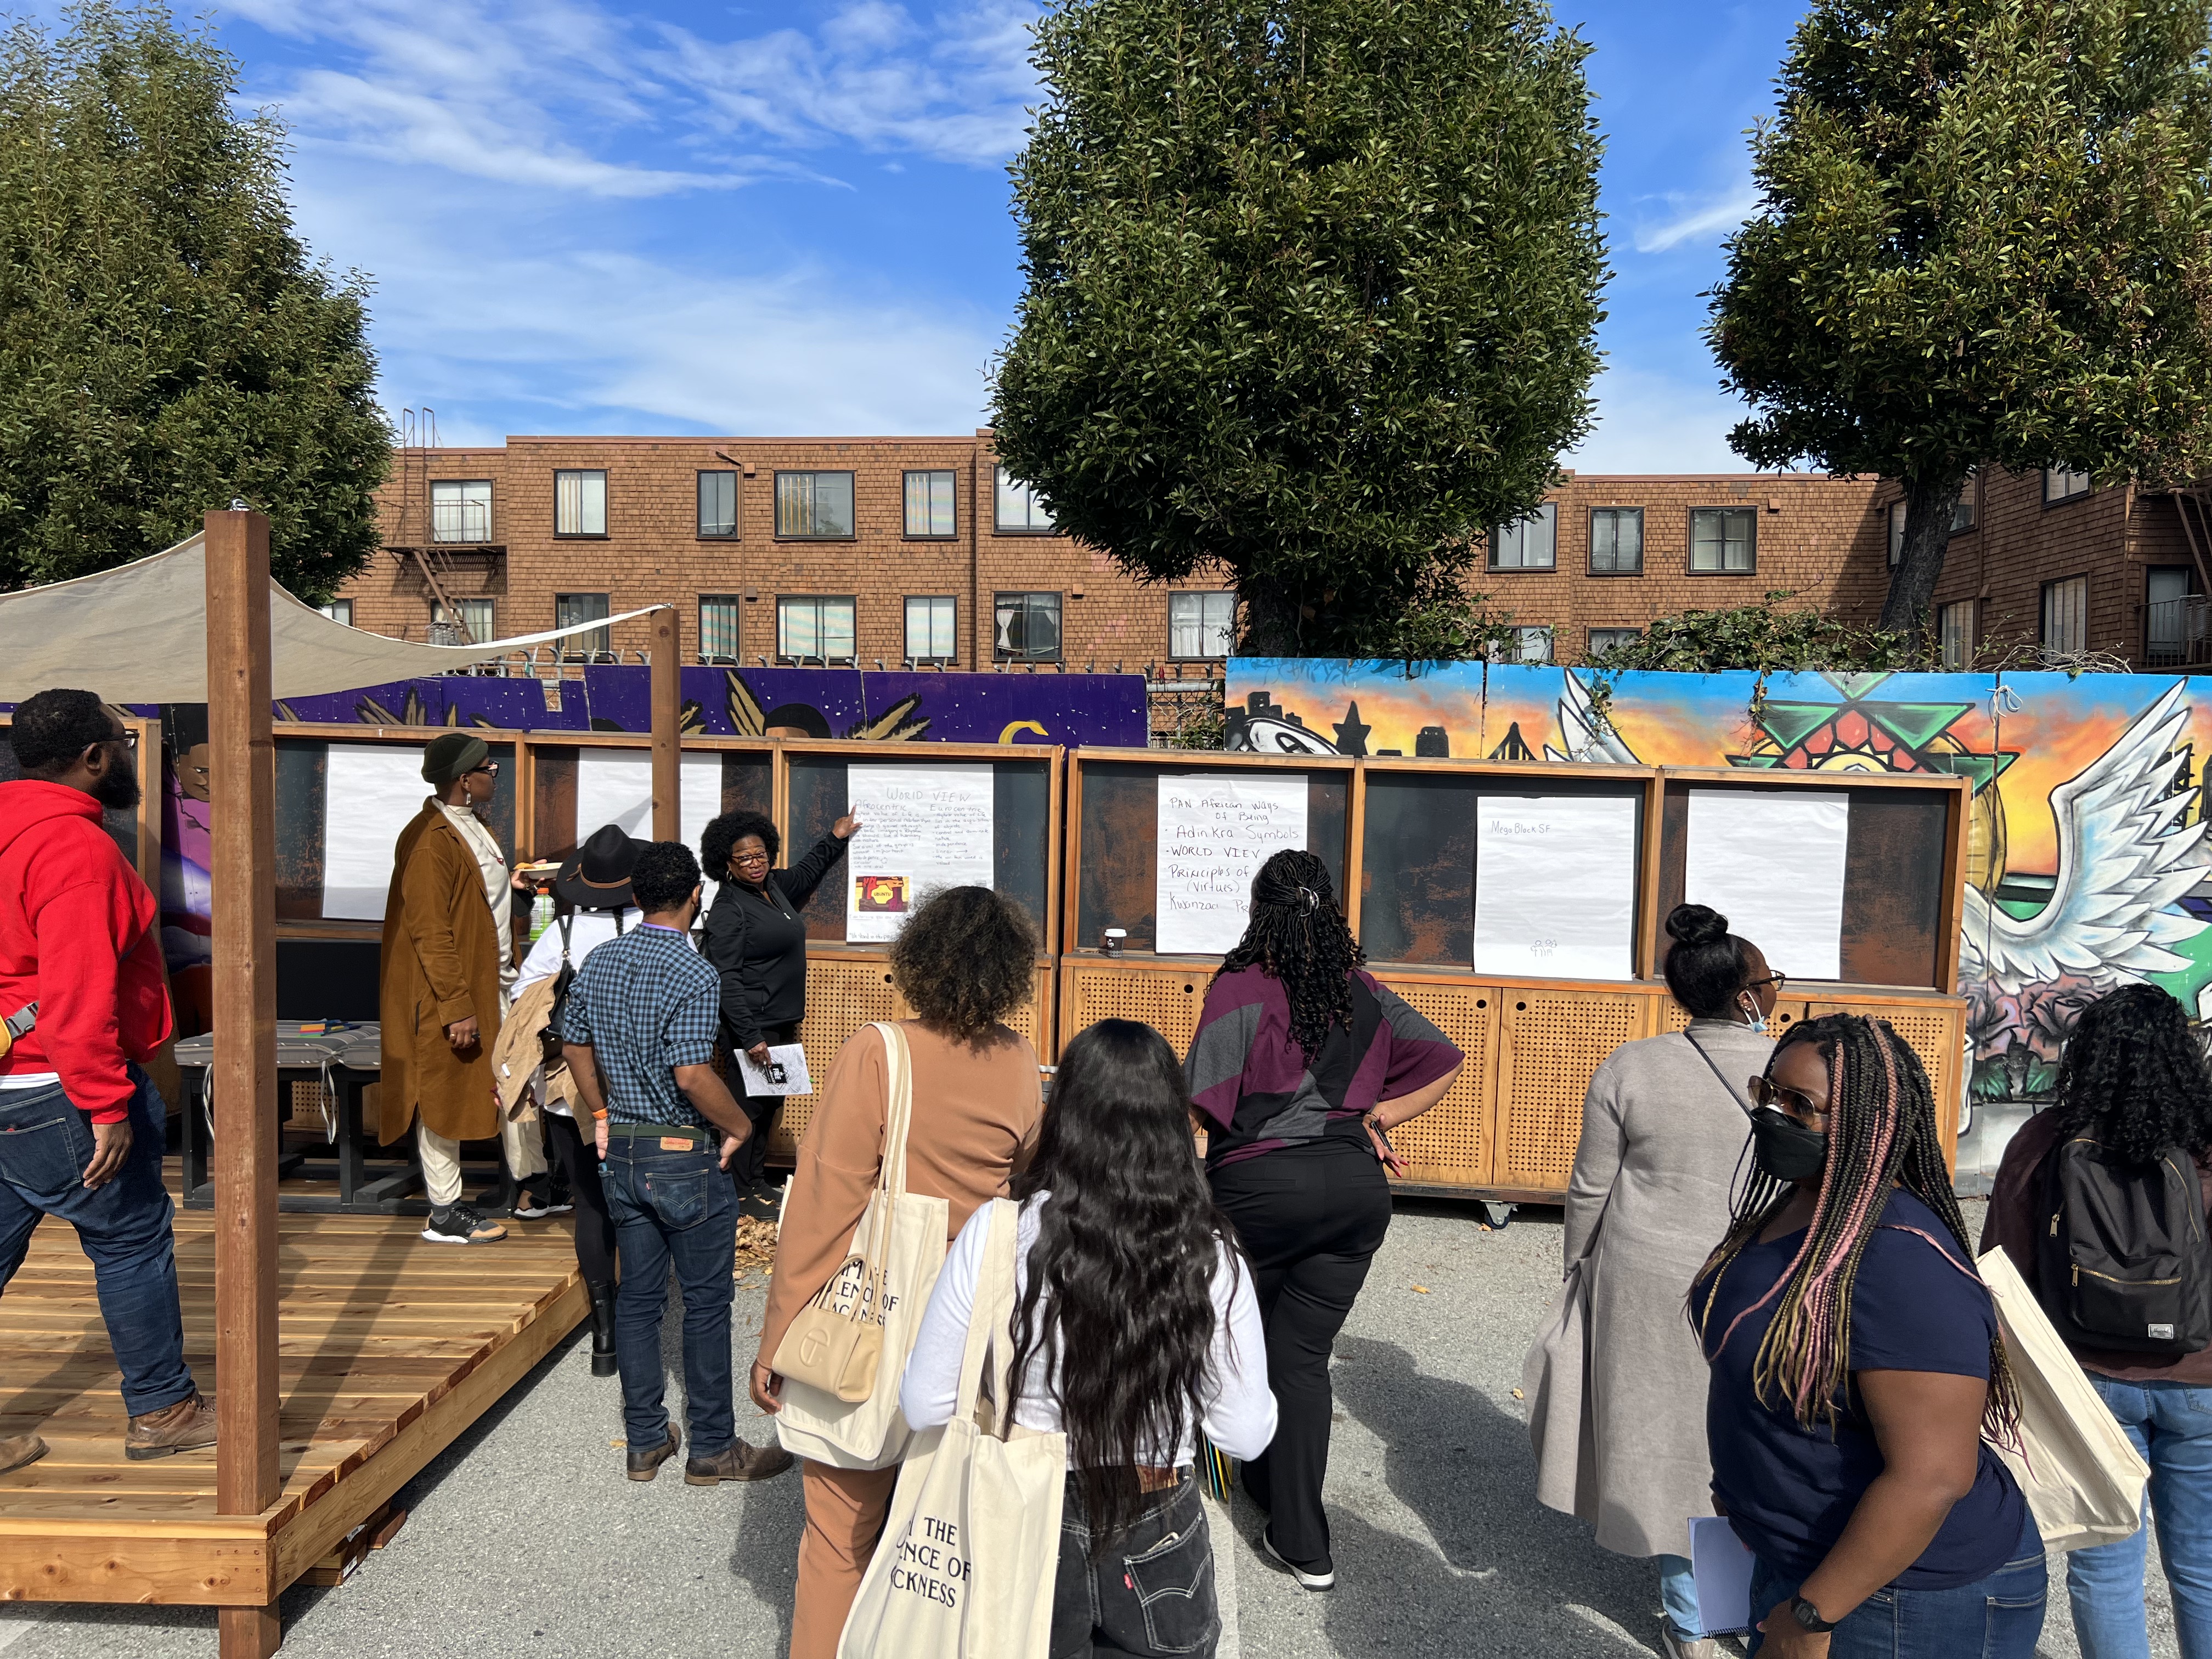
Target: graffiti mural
{"type": "Point", "coordinates": [2087, 865]}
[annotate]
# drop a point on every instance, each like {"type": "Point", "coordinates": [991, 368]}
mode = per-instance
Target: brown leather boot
{"type": "Point", "coordinates": [736, 1462]}
{"type": "Point", "coordinates": [644, 1465]}
{"type": "Point", "coordinates": [19, 1449]}
{"type": "Point", "coordinates": [188, 1425]}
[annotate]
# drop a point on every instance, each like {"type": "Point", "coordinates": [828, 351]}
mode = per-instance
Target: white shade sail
{"type": "Point", "coordinates": [138, 633]}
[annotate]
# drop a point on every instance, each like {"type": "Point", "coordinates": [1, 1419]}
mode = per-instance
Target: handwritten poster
{"type": "Point", "coordinates": [921, 827]}
{"type": "Point", "coordinates": [371, 793]}
{"type": "Point", "coordinates": [1215, 830]}
{"type": "Point", "coordinates": [1772, 861]}
{"type": "Point", "coordinates": [1555, 886]}
{"type": "Point", "coordinates": [615, 785]}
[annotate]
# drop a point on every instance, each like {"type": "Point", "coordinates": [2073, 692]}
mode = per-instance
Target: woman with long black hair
{"type": "Point", "coordinates": [1302, 1064]}
{"type": "Point", "coordinates": [2134, 1077]}
{"type": "Point", "coordinates": [1135, 1325]}
{"type": "Point", "coordinates": [1857, 1370]}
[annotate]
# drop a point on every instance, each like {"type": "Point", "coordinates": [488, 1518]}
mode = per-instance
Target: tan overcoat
{"type": "Point", "coordinates": [440, 964]}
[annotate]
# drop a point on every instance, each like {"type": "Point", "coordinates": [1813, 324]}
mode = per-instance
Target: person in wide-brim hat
{"type": "Point", "coordinates": [596, 877]}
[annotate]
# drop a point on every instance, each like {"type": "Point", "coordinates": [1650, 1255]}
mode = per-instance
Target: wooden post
{"type": "Point", "coordinates": [667, 684]}
{"type": "Point", "coordinates": [242, 778]}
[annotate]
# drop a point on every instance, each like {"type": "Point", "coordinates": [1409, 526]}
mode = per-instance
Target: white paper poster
{"type": "Point", "coordinates": [789, 1076]}
{"type": "Point", "coordinates": [370, 793]}
{"type": "Point", "coordinates": [1772, 861]}
{"type": "Point", "coordinates": [1555, 886]}
{"type": "Point", "coordinates": [615, 785]}
{"type": "Point", "coordinates": [921, 827]}
{"type": "Point", "coordinates": [1215, 830]}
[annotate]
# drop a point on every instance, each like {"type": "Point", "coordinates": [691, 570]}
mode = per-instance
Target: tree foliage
{"type": "Point", "coordinates": [1984, 238]}
{"type": "Point", "coordinates": [165, 343]}
{"type": "Point", "coordinates": [1764, 637]}
{"type": "Point", "coordinates": [1311, 292]}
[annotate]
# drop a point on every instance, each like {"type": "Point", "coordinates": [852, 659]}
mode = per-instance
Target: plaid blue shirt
{"type": "Point", "coordinates": [644, 1003]}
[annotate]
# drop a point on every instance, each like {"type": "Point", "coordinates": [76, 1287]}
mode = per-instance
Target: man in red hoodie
{"type": "Point", "coordinates": [82, 1126]}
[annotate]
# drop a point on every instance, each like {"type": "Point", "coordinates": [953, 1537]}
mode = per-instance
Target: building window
{"type": "Point", "coordinates": [2174, 622]}
{"type": "Point", "coordinates": [929, 505]}
{"type": "Point", "coordinates": [718, 627]}
{"type": "Point", "coordinates": [1616, 541]}
{"type": "Point", "coordinates": [571, 609]}
{"type": "Point", "coordinates": [1962, 515]}
{"type": "Point", "coordinates": [814, 506]}
{"type": "Point", "coordinates": [460, 509]}
{"type": "Point", "coordinates": [1029, 626]}
{"type": "Point", "coordinates": [930, 635]}
{"type": "Point", "coordinates": [718, 506]}
{"type": "Point", "coordinates": [813, 626]}
{"type": "Point", "coordinates": [1956, 630]}
{"type": "Point", "coordinates": [2066, 615]}
{"type": "Point", "coordinates": [1962, 518]}
{"type": "Point", "coordinates": [1724, 540]}
{"type": "Point", "coordinates": [1531, 544]}
{"type": "Point", "coordinates": [1019, 511]}
{"type": "Point", "coordinates": [464, 621]}
{"type": "Point", "coordinates": [1202, 624]}
{"type": "Point", "coordinates": [1603, 640]}
{"type": "Point", "coordinates": [579, 503]}
{"type": "Point", "coordinates": [2062, 484]}
{"type": "Point", "coordinates": [338, 611]}
{"type": "Point", "coordinates": [1529, 644]}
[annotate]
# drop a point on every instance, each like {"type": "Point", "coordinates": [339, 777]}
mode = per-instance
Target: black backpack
{"type": "Point", "coordinates": [2121, 1260]}
{"type": "Point", "coordinates": [549, 1037]}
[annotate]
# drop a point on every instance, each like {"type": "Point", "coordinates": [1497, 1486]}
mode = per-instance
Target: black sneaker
{"type": "Point", "coordinates": [459, 1223]}
{"type": "Point", "coordinates": [530, 1205]}
{"type": "Point", "coordinates": [1313, 1575]}
{"type": "Point", "coordinates": [760, 1204]}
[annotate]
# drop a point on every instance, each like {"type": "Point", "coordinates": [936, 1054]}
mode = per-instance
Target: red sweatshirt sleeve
{"type": "Point", "coordinates": [84, 930]}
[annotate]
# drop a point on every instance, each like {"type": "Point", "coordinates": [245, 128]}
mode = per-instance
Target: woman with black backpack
{"type": "Point", "coordinates": [2100, 1202]}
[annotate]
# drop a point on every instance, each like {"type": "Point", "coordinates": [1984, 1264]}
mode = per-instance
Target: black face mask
{"type": "Point", "coordinates": [1785, 1149]}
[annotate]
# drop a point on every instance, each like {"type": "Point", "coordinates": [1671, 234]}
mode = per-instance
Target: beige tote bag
{"type": "Point", "coordinates": [842, 1358]}
{"type": "Point", "coordinates": [2083, 1475]}
{"type": "Point", "coordinates": [970, 1552]}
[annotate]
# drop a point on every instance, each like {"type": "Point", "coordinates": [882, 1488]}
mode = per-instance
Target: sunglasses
{"type": "Point", "coordinates": [490, 768]}
{"type": "Point", "coordinates": [1767, 1092]}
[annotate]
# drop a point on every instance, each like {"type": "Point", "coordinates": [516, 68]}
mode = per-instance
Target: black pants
{"type": "Point", "coordinates": [1149, 1593]}
{"type": "Point", "coordinates": [749, 1169]}
{"type": "Point", "coordinates": [1311, 1219]}
{"type": "Point", "coordinates": [578, 1161]}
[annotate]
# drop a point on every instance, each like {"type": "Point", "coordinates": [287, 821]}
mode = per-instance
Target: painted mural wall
{"type": "Point", "coordinates": [2089, 865]}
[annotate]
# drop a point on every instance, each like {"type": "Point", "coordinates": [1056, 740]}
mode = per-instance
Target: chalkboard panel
{"type": "Point", "coordinates": [1021, 828]}
{"type": "Point", "coordinates": [327, 978]}
{"type": "Point", "coordinates": [1418, 874]}
{"type": "Point", "coordinates": [1117, 884]}
{"type": "Point", "coordinates": [1894, 903]}
{"type": "Point", "coordinates": [746, 785]}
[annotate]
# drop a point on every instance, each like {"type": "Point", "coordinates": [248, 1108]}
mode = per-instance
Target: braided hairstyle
{"type": "Point", "coordinates": [2135, 1075]}
{"type": "Point", "coordinates": [1298, 935]}
{"type": "Point", "coordinates": [1881, 1132]}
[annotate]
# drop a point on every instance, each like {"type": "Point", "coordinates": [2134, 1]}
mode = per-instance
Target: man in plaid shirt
{"type": "Point", "coordinates": [638, 1033]}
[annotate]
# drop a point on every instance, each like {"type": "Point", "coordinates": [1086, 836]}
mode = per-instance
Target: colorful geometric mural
{"type": "Point", "coordinates": [2088, 865]}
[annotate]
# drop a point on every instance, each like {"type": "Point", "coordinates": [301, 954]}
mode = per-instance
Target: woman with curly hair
{"type": "Point", "coordinates": [756, 942]}
{"type": "Point", "coordinates": [965, 960]}
{"type": "Point", "coordinates": [2134, 1077]}
{"type": "Point", "coordinates": [1857, 1374]}
{"type": "Point", "coordinates": [1302, 1064]}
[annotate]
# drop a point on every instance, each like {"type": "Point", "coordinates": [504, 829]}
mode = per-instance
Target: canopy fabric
{"type": "Point", "coordinates": [138, 633]}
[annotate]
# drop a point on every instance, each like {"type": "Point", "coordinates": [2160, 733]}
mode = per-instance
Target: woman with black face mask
{"type": "Point", "coordinates": [1857, 1374]}
{"type": "Point", "coordinates": [1662, 1126]}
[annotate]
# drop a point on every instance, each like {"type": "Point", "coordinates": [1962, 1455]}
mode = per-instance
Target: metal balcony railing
{"type": "Point", "coordinates": [460, 522]}
{"type": "Point", "coordinates": [2178, 632]}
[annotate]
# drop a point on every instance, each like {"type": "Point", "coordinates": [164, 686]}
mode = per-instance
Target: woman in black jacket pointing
{"type": "Point", "coordinates": [758, 944]}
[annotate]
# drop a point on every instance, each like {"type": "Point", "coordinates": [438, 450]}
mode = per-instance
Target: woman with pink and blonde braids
{"type": "Point", "coordinates": [1855, 1370]}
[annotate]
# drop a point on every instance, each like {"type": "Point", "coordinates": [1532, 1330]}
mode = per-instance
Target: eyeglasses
{"type": "Point", "coordinates": [489, 767]}
{"type": "Point", "coordinates": [1767, 1092]}
{"type": "Point", "coordinates": [1778, 981]}
{"type": "Point", "coordinates": [749, 857]}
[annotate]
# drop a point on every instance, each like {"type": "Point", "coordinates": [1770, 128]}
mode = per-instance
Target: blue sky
{"type": "Point", "coordinates": [636, 216]}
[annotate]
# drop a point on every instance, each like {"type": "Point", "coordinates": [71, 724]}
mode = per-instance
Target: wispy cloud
{"type": "Point", "coordinates": [1695, 221]}
{"type": "Point", "coordinates": [1655, 422]}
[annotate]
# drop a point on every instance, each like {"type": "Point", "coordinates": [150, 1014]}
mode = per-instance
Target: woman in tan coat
{"type": "Point", "coordinates": [1663, 1128]}
{"type": "Point", "coordinates": [965, 960]}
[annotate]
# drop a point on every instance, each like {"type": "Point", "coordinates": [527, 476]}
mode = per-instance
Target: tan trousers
{"type": "Point", "coordinates": [524, 1143]}
{"type": "Point", "coordinates": [845, 1514]}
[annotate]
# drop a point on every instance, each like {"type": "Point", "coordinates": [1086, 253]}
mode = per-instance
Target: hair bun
{"type": "Point", "coordinates": [1696, 925]}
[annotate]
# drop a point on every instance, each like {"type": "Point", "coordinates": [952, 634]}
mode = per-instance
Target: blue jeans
{"type": "Point", "coordinates": [673, 1207]}
{"type": "Point", "coordinates": [2171, 1424]}
{"type": "Point", "coordinates": [1678, 1594]}
{"type": "Point", "coordinates": [1998, 1617]}
{"type": "Point", "coordinates": [123, 1227]}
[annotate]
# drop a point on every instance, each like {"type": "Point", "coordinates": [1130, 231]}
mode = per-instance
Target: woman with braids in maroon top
{"type": "Point", "coordinates": [1855, 1370]}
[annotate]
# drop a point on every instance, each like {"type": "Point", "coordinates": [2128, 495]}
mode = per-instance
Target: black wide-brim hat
{"type": "Point", "coordinates": [596, 877]}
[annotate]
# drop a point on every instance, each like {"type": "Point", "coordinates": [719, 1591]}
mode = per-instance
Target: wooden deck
{"type": "Point", "coordinates": [389, 1347]}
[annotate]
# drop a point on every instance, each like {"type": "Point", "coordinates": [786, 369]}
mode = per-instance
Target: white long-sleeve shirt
{"type": "Point", "coordinates": [587, 929]}
{"type": "Point", "coordinates": [1239, 1410]}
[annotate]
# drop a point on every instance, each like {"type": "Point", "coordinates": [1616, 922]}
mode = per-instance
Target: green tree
{"type": "Point", "coordinates": [1985, 237]}
{"type": "Point", "coordinates": [165, 343]}
{"type": "Point", "coordinates": [1311, 292]}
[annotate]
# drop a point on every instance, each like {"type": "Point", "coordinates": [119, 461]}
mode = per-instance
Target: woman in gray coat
{"type": "Point", "coordinates": [1663, 1128]}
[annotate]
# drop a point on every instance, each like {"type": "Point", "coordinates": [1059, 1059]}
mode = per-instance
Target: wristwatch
{"type": "Point", "coordinates": [1809, 1617]}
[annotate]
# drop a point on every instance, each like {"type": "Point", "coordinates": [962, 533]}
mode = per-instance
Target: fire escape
{"type": "Point", "coordinates": [443, 530]}
{"type": "Point", "coordinates": [2176, 634]}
